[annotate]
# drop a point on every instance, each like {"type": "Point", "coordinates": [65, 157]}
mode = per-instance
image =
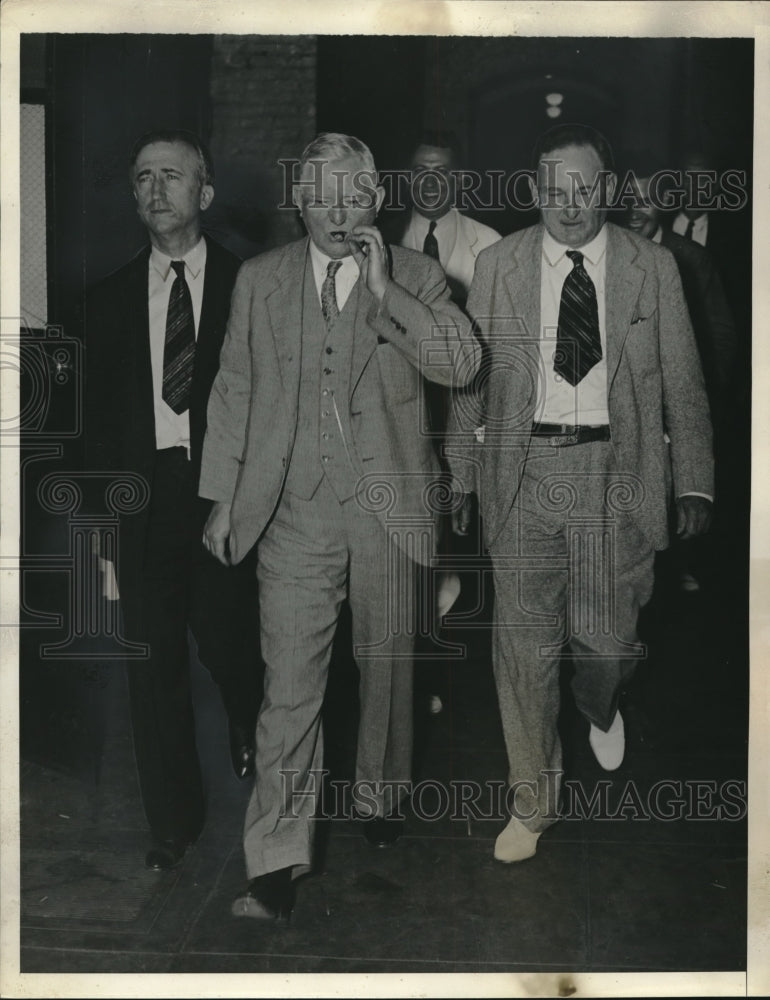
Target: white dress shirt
{"type": "Point", "coordinates": [445, 233]}
{"type": "Point", "coordinates": [562, 403]}
{"type": "Point", "coordinates": [171, 429]}
{"type": "Point", "coordinates": [344, 279]}
{"type": "Point", "coordinates": [700, 229]}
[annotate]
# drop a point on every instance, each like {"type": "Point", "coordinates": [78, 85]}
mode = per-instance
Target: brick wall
{"type": "Point", "coordinates": [263, 107]}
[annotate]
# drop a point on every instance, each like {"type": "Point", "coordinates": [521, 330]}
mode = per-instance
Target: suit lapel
{"type": "Point", "coordinates": [215, 288]}
{"type": "Point", "coordinates": [466, 233]}
{"type": "Point", "coordinates": [137, 310]}
{"type": "Point", "coordinates": [365, 339]}
{"type": "Point", "coordinates": [523, 283]}
{"type": "Point", "coordinates": [623, 283]}
{"type": "Point", "coordinates": [284, 306]}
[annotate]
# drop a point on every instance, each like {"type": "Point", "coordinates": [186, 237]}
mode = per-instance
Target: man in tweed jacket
{"type": "Point", "coordinates": [576, 466]}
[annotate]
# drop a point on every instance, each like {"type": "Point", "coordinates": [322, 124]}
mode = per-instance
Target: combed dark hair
{"type": "Point", "coordinates": [205, 162]}
{"type": "Point", "coordinates": [441, 138]}
{"type": "Point", "coordinates": [573, 134]}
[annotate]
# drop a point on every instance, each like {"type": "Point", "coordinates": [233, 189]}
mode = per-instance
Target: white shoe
{"type": "Point", "coordinates": [609, 747]}
{"type": "Point", "coordinates": [515, 843]}
{"type": "Point", "coordinates": [448, 592]}
{"type": "Point", "coordinates": [435, 704]}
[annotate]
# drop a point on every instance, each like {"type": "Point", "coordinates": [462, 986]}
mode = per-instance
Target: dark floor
{"type": "Point", "coordinates": [623, 892]}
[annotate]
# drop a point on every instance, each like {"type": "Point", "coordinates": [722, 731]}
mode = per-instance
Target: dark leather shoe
{"type": "Point", "coordinates": [166, 854]}
{"type": "Point", "coordinates": [266, 897]}
{"type": "Point", "coordinates": [242, 748]}
{"type": "Point", "coordinates": [382, 831]}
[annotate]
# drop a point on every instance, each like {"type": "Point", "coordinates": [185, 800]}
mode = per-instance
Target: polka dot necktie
{"type": "Point", "coordinates": [328, 293]}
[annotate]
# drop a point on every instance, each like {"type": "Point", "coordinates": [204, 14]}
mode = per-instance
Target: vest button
{"type": "Point", "coordinates": [328, 351]}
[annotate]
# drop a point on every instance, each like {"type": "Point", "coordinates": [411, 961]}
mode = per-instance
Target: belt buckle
{"type": "Point", "coordinates": [563, 439]}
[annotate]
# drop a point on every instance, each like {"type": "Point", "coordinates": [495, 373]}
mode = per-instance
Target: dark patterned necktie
{"type": "Point", "coordinates": [179, 350]}
{"type": "Point", "coordinates": [430, 246]}
{"type": "Point", "coordinates": [578, 344]}
{"type": "Point", "coordinates": [328, 293]}
{"type": "Point", "coordinates": [690, 226]}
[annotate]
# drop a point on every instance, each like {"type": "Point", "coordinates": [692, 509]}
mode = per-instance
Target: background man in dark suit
{"type": "Point", "coordinates": [715, 219]}
{"type": "Point", "coordinates": [154, 329]}
{"type": "Point", "coordinates": [314, 450]}
{"type": "Point", "coordinates": [710, 313]}
{"type": "Point", "coordinates": [717, 341]}
{"type": "Point", "coordinates": [593, 412]}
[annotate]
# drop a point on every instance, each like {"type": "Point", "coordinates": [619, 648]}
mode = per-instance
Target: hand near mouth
{"type": "Point", "coordinates": [371, 255]}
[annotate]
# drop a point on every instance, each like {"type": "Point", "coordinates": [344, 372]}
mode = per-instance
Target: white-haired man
{"type": "Point", "coordinates": [313, 451]}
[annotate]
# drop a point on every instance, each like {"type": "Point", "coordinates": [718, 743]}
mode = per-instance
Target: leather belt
{"type": "Point", "coordinates": [560, 435]}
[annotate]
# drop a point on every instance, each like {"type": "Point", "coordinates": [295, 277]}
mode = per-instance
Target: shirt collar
{"type": "Point", "coordinates": [685, 218]}
{"type": "Point", "coordinates": [592, 251]}
{"type": "Point", "coordinates": [445, 226]}
{"type": "Point", "coordinates": [321, 262]}
{"type": "Point", "coordinates": [194, 259]}
{"type": "Point", "coordinates": [658, 235]}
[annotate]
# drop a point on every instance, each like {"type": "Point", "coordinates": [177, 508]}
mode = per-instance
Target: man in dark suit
{"type": "Point", "coordinates": [590, 414]}
{"type": "Point", "coordinates": [710, 313]}
{"type": "Point", "coordinates": [314, 450]}
{"type": "Point", "coordinates": [714, 329]}
{"type": "Point", "coordinates": [713, 218]}
{"type": "Point", "coordinates": [154, 330]}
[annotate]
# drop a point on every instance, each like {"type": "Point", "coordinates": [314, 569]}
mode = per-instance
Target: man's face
{"type": "Point", "coordinates": [168, 190]}
{"type": "Point", "coordinates": [572, 195]}
{"type": "Point", "coordinates": [334, 197]}
{"type": "Point", "coordinates": [643, 216]}
{"type": "Point", "coordinates": [432, 182]}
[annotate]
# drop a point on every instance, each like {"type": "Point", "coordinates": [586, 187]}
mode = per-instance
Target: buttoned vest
{"type": "Point", "coordinates": [323, 445]}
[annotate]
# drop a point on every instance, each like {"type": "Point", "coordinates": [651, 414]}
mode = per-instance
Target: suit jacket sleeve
{"type": "Point", "coordinates": [685, 406]}
{"type": "Point", "coordinates": [410, 320]}
{"type": "Point", "coordinates": [228, 407]}
{"type": "Point", "coordinates": [465, 424]}
{"type": "Point", "coordinates": [103, 370]}
{"type": "Point", "coordinates": [721, 331]}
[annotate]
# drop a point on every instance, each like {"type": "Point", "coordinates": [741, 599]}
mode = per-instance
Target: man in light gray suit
{"type": "Point", "coordinates": [314, 452]}
{"type": "Point", "coordinates": [590, 417]}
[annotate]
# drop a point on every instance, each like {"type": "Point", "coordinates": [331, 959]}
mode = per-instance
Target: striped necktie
{"type": "Point", "coordinates": [328, 293]}
{"type": "Point", "coordinates": [578, 343]}
{"type": "Point", "coordinates": [179, 349]}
